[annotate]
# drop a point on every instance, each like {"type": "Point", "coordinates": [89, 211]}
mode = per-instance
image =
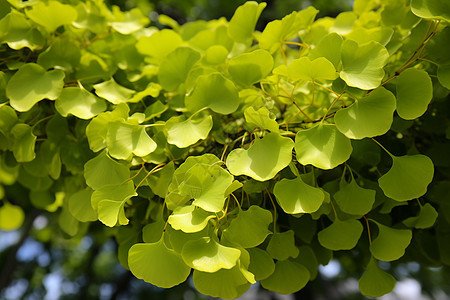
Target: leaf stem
{"type": "Point", "coordinates": [334, 209]}
{"type": "Point", "coordinates": [274, 212]}
{"type": "Point", "coordinates": [382, 147]}
{"type": "Point", "coordinates": [295, 103]}
{"type": "Point", "coordinates": [331, 106]}
{"type": "Point", "coordinates": [324, 87]}
{"type": "Point", "coordinates": [154, 170]}
{"type": "Point", "coordinates": [295, 43]}
{"type": "Point", "coordinates": [368, 230]}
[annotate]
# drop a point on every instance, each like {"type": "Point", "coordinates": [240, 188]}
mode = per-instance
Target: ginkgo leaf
{"type": "Point", "coordinates": [102, 170]}
{"type": "Point", "coordinates": [318, 69]}
{"type": "Point", "coordinates": [11, 217]}
{"type": "Point", "coordinates": [18, 32]}
{"type": "Point", "coordinates": [282, 245]}
{"type": "Point", "coordinates": [44, 14]}
{"type": "Point", "coordinates": [159, 44]}
{"type": "Point", "coordinates": [264, 159]}
{"type": "Point", "coordinates": [322, 146]}
{"type": "Point", "coordinates": [369, 116]}
{"type": "Point", "coordinates": [189, 218]}
{"type": "Point", "coordinates": [109, 202]}
{"type": "Point", "coordinates": [414, 93]}
{"type": "Point", "coordinates": [183, 132]}
{"type": "Point", "coordinates": [207, 185]}
{"type": "Point", "coordinates": [249, 68]}
{"type": "Point", "coordinates": [390, 244]}
{"type": "Point", "coordinates": [250, 228]}
{"type": "Point", "coordinates": [130, 22]}
{"type": "Point", "coordinates": [353, 199]}
{"type": "Point", "coordinates": [31, 83]}
{"type": "Point", "coordinates": [24, 142]}
{"type": "Point", "coordinates": [341, 235]}
{"type": "Point", "coordinates": [443, 74]}
{"type": "Point", "coordinates": [431, 9]}
{"type": "Point", "coordinates": [175, 68]}
{"type": "Point", "coordinates": [307, 258]}
{"type": "Point", "coordinates": [79, 102]}
{"type": "Point", "coordinates": [288, 277]}
{"type": "Point", "coordinates": [375, 282]}
{"type": "Point", "coordinates": [80, 206]}
{"type": "Point", "coordinates": [213, 91]}
{"type": "Point", "coordinates": [113, 92]}
{"type": "Point", "coordinates": [294, 196]}
{"type": "Point", "coordinates": [62, 53]}
{"type": "Point", "coordinates": [226, 284]}
{"type": "Point", "coordinates": [408, 178]}
{"type": "Point", "coordinates": [261, 118]}
{"type": "Point", "coordinates": [124, 139]}
{"type": "Point", "coordinates": [328, 47]}
{"type": "Point", "coordinates": [157, 264]}
{"type": "Point", "coordinates": [242, 24]}
{"type": "Point", "coordinates": [208, 255]}
{"type": "Point", "coordinates": [261, 263]}
{"type": "Point", "coordinates": [426, 218]}
{"type": "Point", "coordinates": [362, 65]}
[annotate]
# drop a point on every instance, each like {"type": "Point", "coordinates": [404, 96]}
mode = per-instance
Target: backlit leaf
{"type": "Point", "coordinates": [11, 217]}
{"type": "Point", "coordinates": [322, 146]}
{"type": "Point", "coordinates": [375, 282]}
{"type": "Point", "coordinates": [426, 218]}
{"type": "Point", "coordinates": [44, 14]}
{"type": "Point", "coordinates": [261, 263]}
{"type": "Point", "coordinates": [80, 206]}
{"type": "Point", "coordinates": [183, 132]}
{"type": "Point", "coordinates": [431, 9]}
{"type": "Point", "coordinates": [189, 218]}
{"type": "Point", "coordinates": [102, 170]}
{"type": "Point", "coordinates": [390, 244]}
{"type": "Point", "coordinates": [282, 245]}
{"type": "Point", "coordinates": [288, 277]}
{"type": "Point", "coordinates": [24, 142]}
{"type": "Point", "coordinates": [341, 235]}
{"type": "Point", "coordinates": [242, 24]}
{"type": "Point", "coordinates": [264, 159]}
{"type": "Point", "coordinates": [79, 102]}
{"type": "Point", "coordinates": [113, 92]}
{"type": "Point", "coordinates": [261, 118]}
{"type": "Point", "coordinates": [249, 68]}
{"type": "Point", "coordinates": [353, 199]}
{"type": "Point", "coordinates": [318, 69]}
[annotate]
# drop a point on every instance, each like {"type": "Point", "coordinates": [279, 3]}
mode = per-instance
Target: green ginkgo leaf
{"type": "Point", "coordinates": [62, 53]}
{"type": "Point", "coordinates": [124, 139]}
{"type": "Point", "coordinates": [109, 202]}
{"type": "Point", "coordinates": [261, 118]}
{"type": "Point", "coordinates": [207, 185]}
{"type": "Point", "coordinates": [102, 170]}
{"type": "Point", "coordinates": [226, 284]}
{"type": "Point", "coordinates": [443, 74]}
{"type": "Point", "coordinates": [24, 142]}
{"type": "Point", "coordinates": [408, 177]}
{"type": "Point", "coordinates": [113, 92]}
{"type": "Point", "coordinates": [278, 31]}
{"type": "Point", "coordinates": [18, 32]}
{"type": "Point", "coordinates": [353, 199]}
{"type": "Point", "coordinates": [328, 47]}
{"type": "Point", "coordinates": [282, 245]}
{"type": "Point", "coordinates": [322, 146]}
{"type": "Point", "coordinates": [390, 244]}
{"type": "Point", "coordinates": [414, 93]}
{"type": "Point", "coordinates": [261, 263]}
{"type": "Point", "coordinates": [242, 24]}
{"type": "Point", "coordinates": [80, 206]}
{"type": "Point", "coordinates": [341, 235]}
{"type": "Point", "coordinates": [318, 69]}
{"type": "Point", "coordinates": [250, 228]}
{"type": "Point", "coordinates": [11, 217]}
{"type": "Point", "coordinates": [362, 65]}
{"type": "Point", "coordinates": [175, 68]}
{"type": "Point", "coordinates": [179, 238]}
{"type": "Point", "coordinates": [207, 255]}
{"type": "Point", "coordinates": [264, 159]}
{"type": "Point", "coordinates": [426, 218]}
{"type": "Point", "coordinates": [249, 68]}
{"type": "Point", "coordinates": [307, 258]}
{"type": "Point", "coordinates": [183, 132]}
{"type": "Point", "coordinates": [288, 277]}
{"type": "Point", "coordinates": [213, 91]}
{"type": "Point", "coordinates": [159, 44]}
{"type": "Point", "coordinates": [369, 116]}
{"type": "Point", "coordinates": [189, 218]}
{"type": "Point", "coordinates": [295, 197]}
{"type": "Point", "coordinates": [431, 9]}
{"type": "Point", "coordinates": [79, 102]}
{"type": "Point", "coordinates": [52, 14]}
{"type": "Point", "coordinates": [375, 282]}
{"type": "Point", "coordinates": [31, 83]}
{"type": "Point", "coordinates": [157, 264]}
{"type": "Point", "coordinates": [130, 21]}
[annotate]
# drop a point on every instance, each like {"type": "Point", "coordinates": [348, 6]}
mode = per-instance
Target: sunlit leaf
{"type": "Point", "coordinates": [390, 244]}
{"type": "Point", "coordinates": [294, 196]}
{"type": "Point", "coordinates": [353, 199]}
{"type": "Point", "coordinates": [11, 217]}
{"type": "Point", "coordinates": [431, 9]}
{"type": "Point", "coordinates": [362, 65]}
{"type": "Point", "coordinates": [31, 83]}
{"type": "Point", "coordinates": [189, 218]}
{"type": "Point", "coordinates": [113, 92]}
{"type": "Point", "coordinates": [264, 159]}
{"type": "Point", "coordinates": [288, 277]}
{"type": "Point", "coordinates": [183, 132]}
{"type": "Point", "coordinates": [159, 44]}
{"type": "Point", "coordinates": [80, 206]}
{"type": "Point", "coordinates": [261, 263]}
{"type": "Point", "coordinates": [79, 102]}
{"type": "Point", "coordinates": [369, 116]}
{"type": "Point", "coordinates": [62, 53]}
{"type": "Point", "coordinates": [130, 22]}
{"type": "Point", "coordinates": [329, 47]}
{"type": "Point", "coordinates": [249, 68]}
{"type": "Point", "coordinates": [261, 118]}
{"type": "Point", "coordinates": [341, 235]}
{"type": "Point", "coordinates": [414, 93]}
{"type": "Point", "coordinates": [318, 69]}
{"type": "Point", "coordinates": [242, 24]}
{"type": "Point", "coordinates": [323, 146]}
{"type": "Point", "coordinates": [157, 264]}
{"type": "Point", "coordinates": [375, 282]}
{"type": "Point", "coordinates": [44, 14]}
{"type": "Point", "coordinates": [408, 177]}
{"type": "Point", "coordinates": [102, 170]}
{"type": "Point", "coordinates": [250, 228]}
{"type": "Point", "coordinates": [24, 142]}
{"type": "Point", "coordinates": [426, 218]}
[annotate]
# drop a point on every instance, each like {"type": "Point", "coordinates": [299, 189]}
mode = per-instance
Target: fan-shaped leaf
{"type": "Point", "coordinates": [113, 92]}
{"type": "Point", "coordinates": [79, 102]}
{"type": "Point", "coordinates": [11, 217]}
{"type": "Point", "coordinates": [282, 245]}
{"type": "Point", "coordinates": [318, 69]}
{"type": "Point", "coordinates": [249, 68]}
{"type": "Point", "coordinates": [189, 218]}
{"type": "Point", "coordinates": [426, 218]}
{"type": "Point", "coordinates": [44, 14]}
{"type": "Point", "coordinates": [183, 133]}
{"type": "Point", "coordinates": [353, 199]}
{"type": "Point", "coordinates": [261, 118]}
{"type": "Point", "coordinates": [288, 277]}
{"type": "Point", "coordinates": [261, 263]}
{"type": "Point", "coordinates": [242, 24]}
{"type": "Point", "coordinates": [341, 235]}
{"type": "Point", "coordinates": [390, 244]}
{"type": "Point", "coordinates": [102, 170]}
{"type": "Point", "coordinates": [24, 142]}
{"type": "Point", "coordinates": [375, 282]}
{"type": "Point", "coordinates": [431, 9]}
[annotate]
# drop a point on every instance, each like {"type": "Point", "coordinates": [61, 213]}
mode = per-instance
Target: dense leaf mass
{"type": "Point", "coordinates": [234, 155]}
